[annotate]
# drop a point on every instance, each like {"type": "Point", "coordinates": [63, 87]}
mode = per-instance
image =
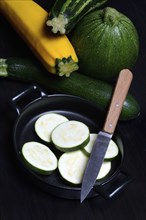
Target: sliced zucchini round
{"type": "Point", "coordinates": [112, 150]}
{"type": "Point", "coordinates": [88, 148]}
{"type": "Point", "coordinates": [71, 166]}
{"type": "Point", "coordinates": [45, 124]}
{"type": "Point", "coordinates": [39, 157]}
{"type": "Point", "coordinates": [104, 170]}
{"type": "Point", "coordinates": [70, 135]}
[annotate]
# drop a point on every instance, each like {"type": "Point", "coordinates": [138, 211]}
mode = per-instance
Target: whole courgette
{"type": "Point", "coordinates": [28, 18]}
{"type": "Point", "coordinates": [96, 91]}
{"type": "Point", "coordinates": [65, 14]}
{"type": "Point", "coordinates": [105, 36]}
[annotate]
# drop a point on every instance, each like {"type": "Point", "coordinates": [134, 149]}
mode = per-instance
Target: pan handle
{"type": "Point", "coordinates": [21, 100]}
{"type": "Point", "coordinates": [116, 185]}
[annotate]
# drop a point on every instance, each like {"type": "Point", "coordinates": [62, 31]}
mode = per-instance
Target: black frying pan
{"type": "Point", "coordinates": [74, 108]}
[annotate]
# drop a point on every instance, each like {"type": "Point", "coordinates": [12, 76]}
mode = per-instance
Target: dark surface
{"type": "Point", "coordinates": [20, 198]}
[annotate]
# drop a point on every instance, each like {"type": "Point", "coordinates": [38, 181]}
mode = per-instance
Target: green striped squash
{"type": "Point", "coordinates": [96, 91]}
{"type": "Point", "coordinates": [106, 41]}
{"type": "Point", "coordinates": [65, 14]}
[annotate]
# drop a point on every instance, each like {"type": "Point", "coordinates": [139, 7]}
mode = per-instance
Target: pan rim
{"type": "Point", "coordinates": [37, 176]}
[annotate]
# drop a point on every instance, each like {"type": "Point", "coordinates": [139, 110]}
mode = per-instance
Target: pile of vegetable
{"type": "Point", "coordinates": [74, 35]}
{"type": "Point", "coordinates": [56, 53]}
{"type": "Point", "coordinates": [99, 92]}
{"type": "Point", "coordinates": [74, 143]}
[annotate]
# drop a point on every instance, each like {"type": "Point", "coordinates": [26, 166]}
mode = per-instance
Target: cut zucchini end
{"type": "Point", "coordinates": [65, 66]}
{"type": "Point", "coordinates": [58, 24]}
{"type": "Point", "coordinates": [70, 136]}
{"type": "Point", "coordinates": [39, 158]}
{"type": "Point", "coordinates": [3, 68]}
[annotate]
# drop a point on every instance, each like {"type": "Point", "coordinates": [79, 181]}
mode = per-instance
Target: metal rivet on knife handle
{"type": "Point", "coordinates": [120, 92]}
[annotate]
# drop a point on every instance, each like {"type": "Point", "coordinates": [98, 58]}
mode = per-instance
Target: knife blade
{"type": "Point", "coordinates": [103, 138]}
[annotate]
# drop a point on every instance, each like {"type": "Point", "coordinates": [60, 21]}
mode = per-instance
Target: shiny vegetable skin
{"type": "Point", "coordinates": [96, 91]}
{"type": "Point", "coordinates": [56, 53]}
{"type": "Point", "coordinates": [65, 14]}
{"type": "Point", "coordinates": [105, 41]}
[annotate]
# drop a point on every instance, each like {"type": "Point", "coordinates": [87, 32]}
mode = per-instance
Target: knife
{"type": "Point", "coordinates": [102, 141]}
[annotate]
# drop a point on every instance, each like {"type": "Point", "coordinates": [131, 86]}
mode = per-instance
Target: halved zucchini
{"type": "Point", "coordinates": [39, 157]}
{"type": "Point", "coordinates": [70, 135]}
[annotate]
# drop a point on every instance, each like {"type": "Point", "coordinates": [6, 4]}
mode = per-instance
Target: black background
{"type": "Point", "coordinates": [21, 199]}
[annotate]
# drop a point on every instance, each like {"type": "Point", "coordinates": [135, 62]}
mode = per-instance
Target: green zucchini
{"type": "Point", "coordinates": [64, 15]}
{"type": "Point", "coordinates": [96, 91]}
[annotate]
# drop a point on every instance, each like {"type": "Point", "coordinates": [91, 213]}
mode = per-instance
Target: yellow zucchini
{"type": "Point", "coordinates": [28, 18]}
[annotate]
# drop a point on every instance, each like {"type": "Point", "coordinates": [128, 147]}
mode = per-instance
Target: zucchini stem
{"type": "Point", "coordinates": [65, 66]}
{"type": "Point", "coordinates": [3, 68]}
{"type": "Point", "coordinates": [111, 16]}
{"type": "Point", "coordinates": [58, 24]}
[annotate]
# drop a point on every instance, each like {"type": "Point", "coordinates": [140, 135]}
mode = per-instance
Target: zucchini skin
{"type": "Point", "coordinates": [98, 37]}
{"type": "Point", "coordinates": [96, 91]}
{"type": "Point", "coordinates": [64, 15]}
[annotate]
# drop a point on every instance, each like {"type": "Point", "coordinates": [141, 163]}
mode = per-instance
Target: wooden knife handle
{"type": "Point", "coordinates": [118, 98]}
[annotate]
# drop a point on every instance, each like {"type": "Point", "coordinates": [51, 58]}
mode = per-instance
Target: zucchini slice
{"type": "Point", "coordinates": [70, 135]}
{"type": "Point", "coordinates": [71, 166]}
{"type": "Point", "coordinates": [39, 157]}
{"type": "Point", "coordinates": [88, 148]}
{"type": "Point", "coordinates": [112, 150]}
{"type": "Point", "coordinates": [104, 170]}
{"type": "Point", "coordinates": [45, 124]}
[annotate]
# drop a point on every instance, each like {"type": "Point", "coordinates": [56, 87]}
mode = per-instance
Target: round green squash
{"type": "Point", "coordinates": [105, 41]}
